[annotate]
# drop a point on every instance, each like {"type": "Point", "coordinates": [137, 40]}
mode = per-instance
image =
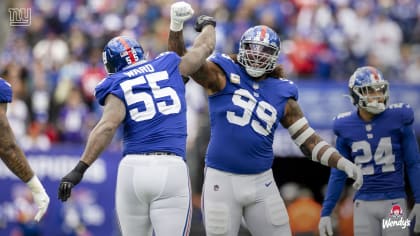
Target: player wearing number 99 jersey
{"type": "Point", "coordinates": [147, 98]}
{"type": "Point", "coordinates": [248, 98]}
{"type": "Point", "coordinates": [381, 141]}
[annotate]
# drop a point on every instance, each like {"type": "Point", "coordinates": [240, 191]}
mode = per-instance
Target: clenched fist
{"type": "Point", "coordinates": [180, 12]}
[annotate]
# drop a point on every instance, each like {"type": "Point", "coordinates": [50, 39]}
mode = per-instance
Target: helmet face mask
{"type": "Point", "coordinates": [259, 50]}
{"type": "Point", "coordinates": [121, 52]}
{"type": "Point", "coordinates": [369, 90]}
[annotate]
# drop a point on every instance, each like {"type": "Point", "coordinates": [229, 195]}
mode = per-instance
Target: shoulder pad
{"type": "Point", "coordinates": [163, 54]}
{"type": "Point", "coordinates": [398, 105]}
{"type": "Point", "coordinates": [404, 111]}
{"type": "Point", "coordinates": [6, 93]}
{"type": "Point", "coordinates": [342, 115]}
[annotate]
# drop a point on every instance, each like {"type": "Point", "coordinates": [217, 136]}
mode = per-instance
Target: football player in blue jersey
{"type": "Point", "coordinates": [248, 98]}
{"type": "Point", "coordinates": [13, 156]}
{"type": "Point", "coordinates": [381, 140]}
{"type": "Point", "coordinates": [148, 98]}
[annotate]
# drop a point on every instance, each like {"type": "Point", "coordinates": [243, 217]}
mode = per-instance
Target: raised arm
{"type": "Point", "coordinates": [208, 75]}
{"type": "Point", "coordinates": [180, 12]}
{"type": "Point", "coordinates": [313, 146]}
{"type": "Point", "coordinates": [201, 49]}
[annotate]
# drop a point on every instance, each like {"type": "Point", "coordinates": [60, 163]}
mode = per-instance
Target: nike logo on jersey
{"type": "Point", "coordinates": [268, 184]}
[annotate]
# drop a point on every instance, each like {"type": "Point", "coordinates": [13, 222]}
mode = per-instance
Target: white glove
{"type": "Point", "coordinates": [180, 12]}
{"type": "Point", "coordinates": [40, 197]}
{"type": "Point", "coordinates": [325, 226]}
{"type": "Point", "coordinates": [415, 212]}
{"type": "Point", "coordinates": [352, 171]}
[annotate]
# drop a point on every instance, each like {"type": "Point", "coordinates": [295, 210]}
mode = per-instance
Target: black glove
{"type": "Point", "coordinates": [70, 180]}
{"type": "Point", "coordinates": [202, 21]}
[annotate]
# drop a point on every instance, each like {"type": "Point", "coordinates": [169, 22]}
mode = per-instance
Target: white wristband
{"type": "Point", "coordinates": [35, 185]}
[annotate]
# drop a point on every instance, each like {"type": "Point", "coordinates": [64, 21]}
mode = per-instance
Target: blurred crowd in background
{"type": "Point", "coordinates": [55, 63]}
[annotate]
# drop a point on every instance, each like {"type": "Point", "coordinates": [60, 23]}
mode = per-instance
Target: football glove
{"type": "Point", "coordinates": [180, 12]}
{"type": "Point", "coordinates": [325, 226]}
{"type": "Point", "coordinates": [70, 180]}
{"type": "Point", "coordinates": [41, 198]}
{"type": "Point", "coordinates": [415, 212]}
{"type": "Point", "coordinates": [352, 171]}
{"type": "Point", "coordinates": [202, 21]}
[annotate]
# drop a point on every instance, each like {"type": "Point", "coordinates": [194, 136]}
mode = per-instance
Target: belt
{"type": "Point", "coordinates": [158, 154]}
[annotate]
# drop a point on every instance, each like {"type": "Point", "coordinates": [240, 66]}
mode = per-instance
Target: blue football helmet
{"type": "Point", "coordinates": [369, 90]}
{"type": "Point", "coordinates": [121, 52]}
{"type": "Point", "coordinates": [259, 50]}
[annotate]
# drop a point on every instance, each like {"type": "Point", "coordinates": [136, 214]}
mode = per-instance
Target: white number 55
{"type": "Point", "coordinates": [148, 100]}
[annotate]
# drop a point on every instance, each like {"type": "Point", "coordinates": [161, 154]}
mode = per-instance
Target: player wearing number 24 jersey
{"type": "Point", "coordinates": [380, 139]}
{"type": "Point", "coordinates": [147, 97]}
{"type": "Point", "coordinates": [248, 98]}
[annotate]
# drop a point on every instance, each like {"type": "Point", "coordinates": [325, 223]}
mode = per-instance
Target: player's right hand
{"type": "Point", "coordinates": [325, 226]}
{"type": "Point", "coordinates": [180, 12]}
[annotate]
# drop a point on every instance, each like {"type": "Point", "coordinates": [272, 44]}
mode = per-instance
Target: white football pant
{"type": "Point", "coordinates": [153, 193]}
{"type": "Point", "coordinates": [228, 197]}
{"type": "Point", "coordinates": [374, 218]}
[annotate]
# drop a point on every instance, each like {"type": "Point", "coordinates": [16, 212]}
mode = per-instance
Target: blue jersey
{"type": "Point", "coordinates": [5, 92]}
{"type": "Point", "coordinates": [154, 96]}
{"type": "Point", "coordinates": [243, 118]}
{"type": "Point", "coordinates": [383, 148]}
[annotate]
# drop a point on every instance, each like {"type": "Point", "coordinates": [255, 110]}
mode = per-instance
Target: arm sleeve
{"type": "Point", "coordinates": [336, 183]}
{"type": "Point", "coordinates": [412, 160]}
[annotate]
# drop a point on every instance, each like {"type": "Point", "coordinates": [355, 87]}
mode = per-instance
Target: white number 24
{"type": "Point", "coordinates": [264, 111]}
{"type": "Point", "coordinates": [149, 100]}
{"type": "Point", "coordinates": [383, 156]}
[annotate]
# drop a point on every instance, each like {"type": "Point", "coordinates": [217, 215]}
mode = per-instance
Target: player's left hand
{"type": "Point", "coordinates": [357, 176]}
{"type": "Point", "coordinates": [42, 201]}
{"type": "Point", "coordinates": [40, 197]}
{"type": "Point", "coordinates": [352, 171]}
{"type": "Point", "coordinates": [415, 212]}
{"type": "Point", "coordinates": [180, 12]}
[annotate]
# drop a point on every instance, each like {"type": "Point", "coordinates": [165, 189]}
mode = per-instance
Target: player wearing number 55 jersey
{"type": "Point", "coordinates": [381, 141]}
{"type": "Point", "coordinates": [247, 100]}
{"type": "Point", "coordinates": [147, 98]}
